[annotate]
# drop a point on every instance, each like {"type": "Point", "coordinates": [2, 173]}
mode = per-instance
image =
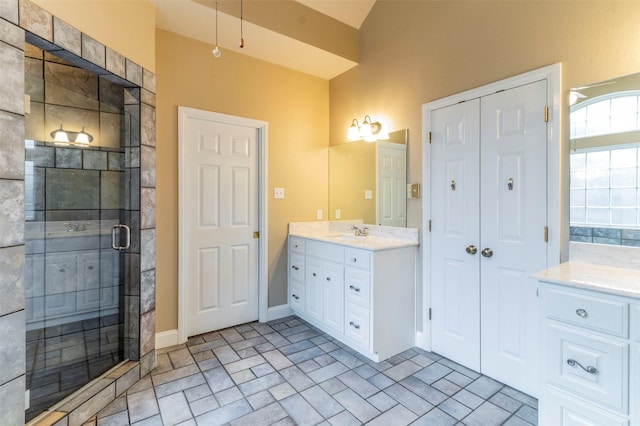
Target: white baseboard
{"type": "Point", "coordinates": [277, 312]}
{"type": "Point", "coordinates": [164, 339]}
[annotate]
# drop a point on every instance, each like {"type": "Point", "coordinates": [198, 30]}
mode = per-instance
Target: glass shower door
{"type": "Point", "coordinates": [74, 197]}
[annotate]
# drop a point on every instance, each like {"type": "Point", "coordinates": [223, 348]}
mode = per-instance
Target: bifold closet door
{"type": "Point", "coordinates": [514, 215]}
{"type": "Point", "coordinates": [455, 232]}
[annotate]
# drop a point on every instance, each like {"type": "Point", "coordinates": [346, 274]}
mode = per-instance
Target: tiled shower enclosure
{"type": "Point", "coordinates": [93, 293]}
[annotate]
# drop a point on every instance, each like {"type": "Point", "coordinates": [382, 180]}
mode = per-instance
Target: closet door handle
{"type": "Point", "coordinates": [487, 252]}
{"type": "Point", "coordinates": [471, 249]}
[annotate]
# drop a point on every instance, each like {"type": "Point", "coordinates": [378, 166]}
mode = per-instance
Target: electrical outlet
{"type": "Point", "coordinates": [319, 214]}
{"type": "Point", "coordinates": [368, 194]}
{"type": "Point", "coordinates": [338, 213]}
{"type": "Point", "coordinates": [278, 192]}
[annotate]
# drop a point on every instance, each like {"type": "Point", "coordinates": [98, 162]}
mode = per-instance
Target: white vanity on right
{"type": "Point", "coordinates": [590, 345]}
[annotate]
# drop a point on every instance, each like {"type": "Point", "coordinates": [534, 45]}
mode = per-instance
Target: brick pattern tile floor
{"type": "Point", "coordinates": [287, 372]}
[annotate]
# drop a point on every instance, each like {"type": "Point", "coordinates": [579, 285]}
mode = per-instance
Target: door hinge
{"type": "Point", "coordinates": [546, 113]}
{"type": "Point", "coordinates": [429, 136]}
{"type": "Point", "coordinates": [546, 234]}
{"type": "Point", "coordinates": [256, 234]}
{"type": "Point", "coordinates": [429, 225]}
{"type": "Point", "coordinates": [429, 314]}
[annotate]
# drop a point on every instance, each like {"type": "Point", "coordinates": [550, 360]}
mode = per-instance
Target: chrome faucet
{"type": "Point", "coordinates": [360, 232]}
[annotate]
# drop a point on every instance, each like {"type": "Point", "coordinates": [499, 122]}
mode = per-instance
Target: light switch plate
{"type": "Point", "coordinates": [278, 192]}
{"type": "Point", "coordinates": [368, 194]}
{"type": "Point", "coordinates": [338, 213]}
{"type": "Point", "coordinates": [319, 214]}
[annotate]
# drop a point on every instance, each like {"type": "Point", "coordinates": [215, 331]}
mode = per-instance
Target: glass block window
{"type": "Point", "coordinates": [604, 186]}
{"type": "Point", "coordinates": [614, 113]}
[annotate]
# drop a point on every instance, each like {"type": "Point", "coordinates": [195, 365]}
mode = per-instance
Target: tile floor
{"type": "Point", "coordinates": [286, 372]}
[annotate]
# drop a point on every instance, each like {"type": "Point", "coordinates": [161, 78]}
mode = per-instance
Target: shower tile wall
{"type": "Point", "coordinates": [53, 34]}
{"type": "Point", "coordinates": [12, 319]}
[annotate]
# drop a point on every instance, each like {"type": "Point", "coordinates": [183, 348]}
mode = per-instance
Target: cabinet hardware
{"type": "Point", "coordinates": [354, 260]}
{"type": "Point", "coordinates": [328, 278]}
{"type": "Point", "coordinates": [581, 313]}
{"type": "Point", "coordinates": [295, 267]}
{"type": "Point", "coordinates": [356, 289]}
{"type": "Point", "coordinates": [354, 325]}
{"type": "Point", "coordinates": [314, 274]}
{"type": "Point", "coordinates": [589, 369]}
{"type": "Point", "coordinates": [510, 184]}
{"type": "Point", "coordinates": [546, 114]}
{"type": "Point", "coordinates": [453, 185]}
{"type": "Point", "coordinates": [295, 297]}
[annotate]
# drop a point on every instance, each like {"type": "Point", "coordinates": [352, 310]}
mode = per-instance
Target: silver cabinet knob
{"type": "Point", "coordinates": [581, 313]}
{"type": "Point", "coordinates": [354, 288]}
{"type": "Point", "coordinates": [295, 297]}
{"type": "Point", "coordinates": [589, 368]}
{"type": "Point", "coordinates": [354, 325]}
{"type": "Point", "coordinates": [295, 267]}
{"type": "Point", "coordinates": [487, 252]}
{"type": "Point", "coordinates": [471, 249]}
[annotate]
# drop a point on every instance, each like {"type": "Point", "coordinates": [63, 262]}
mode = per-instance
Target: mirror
{"type": "Point", "coordinates": [604, 189]}
{"type": "Point", "coordinates": [368, 181]}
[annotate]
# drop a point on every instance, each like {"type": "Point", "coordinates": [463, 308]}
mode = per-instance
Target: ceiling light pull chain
{"type": "Point", "coordinates": [241, 19]}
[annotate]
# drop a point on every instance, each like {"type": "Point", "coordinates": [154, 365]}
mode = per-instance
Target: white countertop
{"type": "Point", "coordinates": [590, 276]}
{"type": "Point", "coordinates": [379, 238]}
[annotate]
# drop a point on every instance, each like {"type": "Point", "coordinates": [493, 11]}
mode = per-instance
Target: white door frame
{"type": "Point", "coordinates": [557, 166]}
{"type": "Point", "coordinates": [262, 127]}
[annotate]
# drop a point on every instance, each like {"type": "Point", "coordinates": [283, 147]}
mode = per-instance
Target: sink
{"type": "Point", "coordinates": [347, 237]}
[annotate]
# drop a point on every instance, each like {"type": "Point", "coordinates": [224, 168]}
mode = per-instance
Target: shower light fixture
{"type": "Point", "coordinates": [368, 131]}
{"type": "Point", "coordinates": [61, 136]}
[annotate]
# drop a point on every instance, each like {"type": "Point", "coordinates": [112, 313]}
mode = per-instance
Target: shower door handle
{"type": "Point", "coordinates": [116, 245]}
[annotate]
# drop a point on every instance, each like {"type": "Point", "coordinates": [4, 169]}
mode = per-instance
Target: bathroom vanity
{"type": "Point", "coordinates": [360, 289]}
{"type": "Point", "coordinates": [590, 345]}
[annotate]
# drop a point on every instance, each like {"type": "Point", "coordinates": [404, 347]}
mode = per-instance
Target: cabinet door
{"type": "Point", "coordinates": [313, 288]}
{"type": "Point", "coordinates": [333, 294]}
{"type": "Point", "coordinates": [60, 284]}
{"type": "Point", "coordinates": [88, 296]}
{"type": "Point", "coordinates": [635, 384]}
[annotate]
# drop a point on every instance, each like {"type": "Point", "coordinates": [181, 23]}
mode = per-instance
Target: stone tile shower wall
{"type": "Point", "coordinates": [20, 19]}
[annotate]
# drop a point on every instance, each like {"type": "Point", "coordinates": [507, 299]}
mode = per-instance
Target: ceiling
{"type": "Point", "coordinates": [197, 19]}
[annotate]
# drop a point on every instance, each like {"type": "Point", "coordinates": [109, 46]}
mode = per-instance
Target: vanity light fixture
{"type": "Point", "coordinates": [61, 136]}
{"type": "Point", "coordinates": [369, 131]}
{"type": "Point", "coordinates": [216, 52]}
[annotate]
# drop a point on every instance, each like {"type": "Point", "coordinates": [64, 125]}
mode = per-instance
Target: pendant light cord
{"type": "Point", "coordinates": [241, 19]}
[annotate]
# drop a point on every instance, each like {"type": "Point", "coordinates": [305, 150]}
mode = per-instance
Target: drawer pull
{"type": "Point", "coordinates": [314, 274]}
{"type": "Point", "coordinates": [295, 267]}
{"type": "Point", "coordinates": [354, 325]}
{"type": "Point", "coordinates": [295, 297]}
{"type": "Point", "coordinates": [296, 246]}
{"type": "Point", "coordinates": [581, 313]}
{"type": "Point", "coordinates": [328, 278]}
{"type": "Point", "coordinates": [354, 260]}
{"type": "Point", "coordinates": [356, 289]}
{"type": "Point", "coordinates": [589, 369]}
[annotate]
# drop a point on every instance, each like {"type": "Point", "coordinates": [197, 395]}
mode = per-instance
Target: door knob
{"type": "Point", "coordinates": [471, 249]}
{"type": "Point", "coordinates": [487, 252]}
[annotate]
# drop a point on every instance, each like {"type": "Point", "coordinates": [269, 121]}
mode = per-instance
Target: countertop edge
{"type": "Point", "coordinates": [378, 243]}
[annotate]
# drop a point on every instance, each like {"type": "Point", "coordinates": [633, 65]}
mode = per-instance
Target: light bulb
{"type": "Point", "coordinates": [216, 52]}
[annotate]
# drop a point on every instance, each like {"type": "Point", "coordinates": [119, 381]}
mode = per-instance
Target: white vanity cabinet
{"type": "Point", "coordinates": [364, 298]}
{"type": "Point", "coordinates": [590, 350]}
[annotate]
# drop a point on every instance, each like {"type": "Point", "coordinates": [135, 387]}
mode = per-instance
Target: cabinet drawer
{"type": "Point", "coordinates": [330, 252]}
{"type": "Point", "coordinates": [356, 324]}
{"type": "Point", "coordinates": [593, 367]}
{"type": "Point", "coordinates": [296, 267]}
{"type": "Point", "coordinates": [360, 259]}
{"type": "Point", "coordinates": [296, 296]}
{"type": "Point", "coordinates": [296, 245]}
{"type": "Point", "coordinates": [588, 310]}
{"type": "Point", "coordinates": [357, 287]}
{"type": "Point", "coordinates": [561, 409]}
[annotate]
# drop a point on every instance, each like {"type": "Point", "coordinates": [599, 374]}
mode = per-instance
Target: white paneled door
{"type": "Point", "coordinates": [455, 234]}
{"type": "Point", "coordinates": [514, 216]}
{"type": "Point", "coordinates": [219, 172]}
{"type": "Point", "coordinates": [392, 184]}
{"type": "Point", "coordinates": [489, 217]}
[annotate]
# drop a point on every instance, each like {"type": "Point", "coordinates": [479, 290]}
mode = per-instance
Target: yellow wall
{"type": "Point", "coordinates": [412, 52]}
{"type": "Point", "coordinates": [126, 26]}
{"type": "Point", "coordinates": [295, 105]}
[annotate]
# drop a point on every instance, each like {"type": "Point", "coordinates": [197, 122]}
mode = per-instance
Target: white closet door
{"type": "Point", "coordinates": [514, 216]}
{"type": "Point", "coordinates": [455, 289]}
